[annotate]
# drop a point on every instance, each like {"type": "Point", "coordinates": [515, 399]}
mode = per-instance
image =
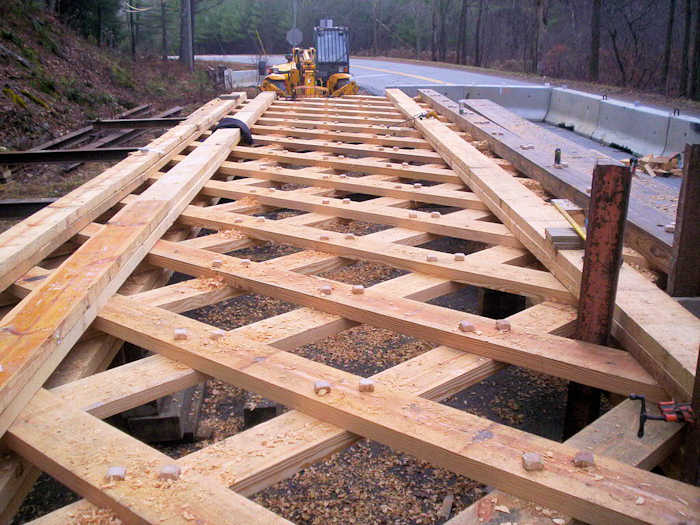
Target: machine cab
{"type": "Point", "coordinates": [332, 50]}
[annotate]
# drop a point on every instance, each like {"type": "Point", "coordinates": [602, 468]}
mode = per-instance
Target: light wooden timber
{"type": "Point", "coordinates": [444, 436]}
{"type": "Point", "coordinates": [141, 497]}
{"type": "Point", "coordinates": [585, 363]}
{"type": "Point", "coordinates": [643, 232]}
{"type": "Point", "coordinates": [298, 439]}
{"type": "Point", "coordinates": [37, 333]}
{"type": "Point", "coordinates": [344, 136]}
{"type": "Point", "coordinates": [26, 243]}
{"type": "Point", "coordinates": [658, 331]}
{"type": "Point", "coordinates": [480, 269]}
{"type": "Point", "coordinates": [463, 224]}
{"type": "Point", "coordinates": [354, 150]}
{"type": "Point", "coordinates": [337, 111]}
{"type": "Point", "coordinates": [341, 119]}
{"type": "Point", "coordinates": [443, 194]}
{"type": "Point", "coordinates": [613, 435]}
{"type": "Point", "coordinates": [393, 131]}
{"type": "Point", "coordinates": [372, 167]}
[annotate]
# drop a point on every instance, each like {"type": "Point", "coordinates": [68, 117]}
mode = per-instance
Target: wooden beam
{"type": "Point", "coordinates": [602, 367]}
{"type": "Point", "coordinates": [443, 194]}
{"type": "Point", "coordinates": [28, 242]}
{"type": "Point", "coordinates": [37, 333]}
{"type": "Point", "coordinates": [643, 231]}
{"type": "Point", "coordinates": [140, 498]}
{"type": "Point", "coordinates": [394, 131]}
{"type": "Point", "coordinates": [613, 435]}
{"type": "Point", "coordinates": [462, 224]}
{"type": "Point", "coordinates": [479, 269]}
{"type": "Point", "coordinates": [407, 422]}
{"type": "Point", "coordinates": [660, 333]}
{"type": "Point", "coordinates": [369, 166]}
{"type": "Point", "coordinates": [684, 276]}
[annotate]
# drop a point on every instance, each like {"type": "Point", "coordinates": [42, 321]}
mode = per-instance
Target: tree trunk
{"type": "Point", "coordinates": [593, 65]}
{"type": "Point", "coordinates": [163, 31]}
{"type": "Point", "coordinates": [186, 55]}
{"type": "Point", "coordinates": [694, 90]}
{"type": "Point", "coordinates": [132, 32]}
{"type": "Point", "coordinates": [540, 23]}
{"type": "Point", "coordinates": [462, 34]}
{"type": "Point", "coordinates": [477, 35]}
{"type": "Point", "coordinates": [444, 8]}
{"type": "Point", "coordinates": [193, 12]}
{"type": "Point", "coordinates": [669, 45]}
{"type": "Point", "coordinates": [375, 13]}
{"type": "Point", "coordinates": [685, 66]}
{"type": "Point", "coordinates": [51, 5]}
{"type": "Point", "coordinates": [434, 30]}
{"type": "Point", "coordinates": [416, 20]}
{"type": "Point", "coordinates": [98, 24]}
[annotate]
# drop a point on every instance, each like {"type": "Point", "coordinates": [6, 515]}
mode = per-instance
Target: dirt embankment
{"type": "Point", "coordinates": [54, 82]}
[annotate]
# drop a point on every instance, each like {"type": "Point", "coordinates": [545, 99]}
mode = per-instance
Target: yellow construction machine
{"type": "Point", "coordinates": [320, 71]}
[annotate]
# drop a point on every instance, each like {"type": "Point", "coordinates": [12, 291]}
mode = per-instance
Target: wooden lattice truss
{"type": "Point", "coordinates": [119, 237]}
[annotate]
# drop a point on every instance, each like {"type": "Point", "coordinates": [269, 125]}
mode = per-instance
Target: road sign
{"type": "Point", "coordinates": [294, 36]}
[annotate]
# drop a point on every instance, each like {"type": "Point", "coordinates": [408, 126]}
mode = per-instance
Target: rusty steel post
{"type": "Point", "coordinates": [610, 192]}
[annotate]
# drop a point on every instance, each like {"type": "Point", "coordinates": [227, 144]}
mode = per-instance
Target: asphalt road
{"type": "Point", "coordinates": [376, 75]}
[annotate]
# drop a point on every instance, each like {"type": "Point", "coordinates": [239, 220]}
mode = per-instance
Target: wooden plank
{"type": "Point", "coordinates": [475, 269]}
{"type": "Point", "coordinates": [345, 136]}
{"type": "Point", "coordinates": [660, 333]}
{"type": "Point", "coordinates": [463, 224]}
{"type": "Point", "coordinates": [26, 243]}
{"type": "Point", "coordinates": [37, 333]}
{"type": "Point", "coordinates": [372, 167]}
{"type": "Point", "coordinates": [684, 276]}
{"type": "Point", "coordinates": [407, 422]}
{"type": "Point", "coordinates": [354, 150]}
{"type": "Point", "coordinates": [586, 363]}
{"type": "Point", "coordinates": [643, 232]}
{"type": "Point", "coordinates": [613, 435]}
{"type": "Point", "coordinates": [443, 194]}
{"type": "Point", "coordinates": [340, 119]}
{"type": "Point", "coordinates": [140, 498]}
{"type": "Point", "coordinates": [394, 131]}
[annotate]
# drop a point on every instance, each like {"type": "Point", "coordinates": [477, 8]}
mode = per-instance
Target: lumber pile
{"type": "Point", "coordinates": [357, 159]}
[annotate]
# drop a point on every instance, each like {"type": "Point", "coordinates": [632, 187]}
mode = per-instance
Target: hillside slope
{"type": "Point", "coordinates": [53, 80]}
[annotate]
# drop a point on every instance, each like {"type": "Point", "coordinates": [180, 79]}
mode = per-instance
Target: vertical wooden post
{"type": "Point", "coordinates": [684, 277]}
{"type": "Point", "coordinates": [610, 191]}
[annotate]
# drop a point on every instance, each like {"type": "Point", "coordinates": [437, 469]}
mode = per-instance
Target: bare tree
{"type": "Point", "coordinates": [669, 45]}
{"type": "Point", "coordinates": [462, 34]}
{"type": "Point", "coordinates": [186, 51]}
{"type": "Point", "coordinates": [685, 66]}
{"type": "Point", "coordinates": [694, 89]}
{"type": "Point", "coordinates": [593, 65]}
{"type": "Point", "coordinates": [477, 34]}
{"type": "Point", "coordinates": [163, 31]}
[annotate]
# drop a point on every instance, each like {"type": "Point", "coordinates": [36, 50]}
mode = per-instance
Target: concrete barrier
{"type": "Point", "coordinates": [640, 129]}
{"type": "Point", "coordinates": [235, 79]}
{"type": "Point", "coordinates": [530, 102]}
{"type": "Point", "coordinates": [681, 131]}
{"type": "Point", "coordinates": [643, 130]}
{"type": "Point", "coordinates": [574, 109]}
